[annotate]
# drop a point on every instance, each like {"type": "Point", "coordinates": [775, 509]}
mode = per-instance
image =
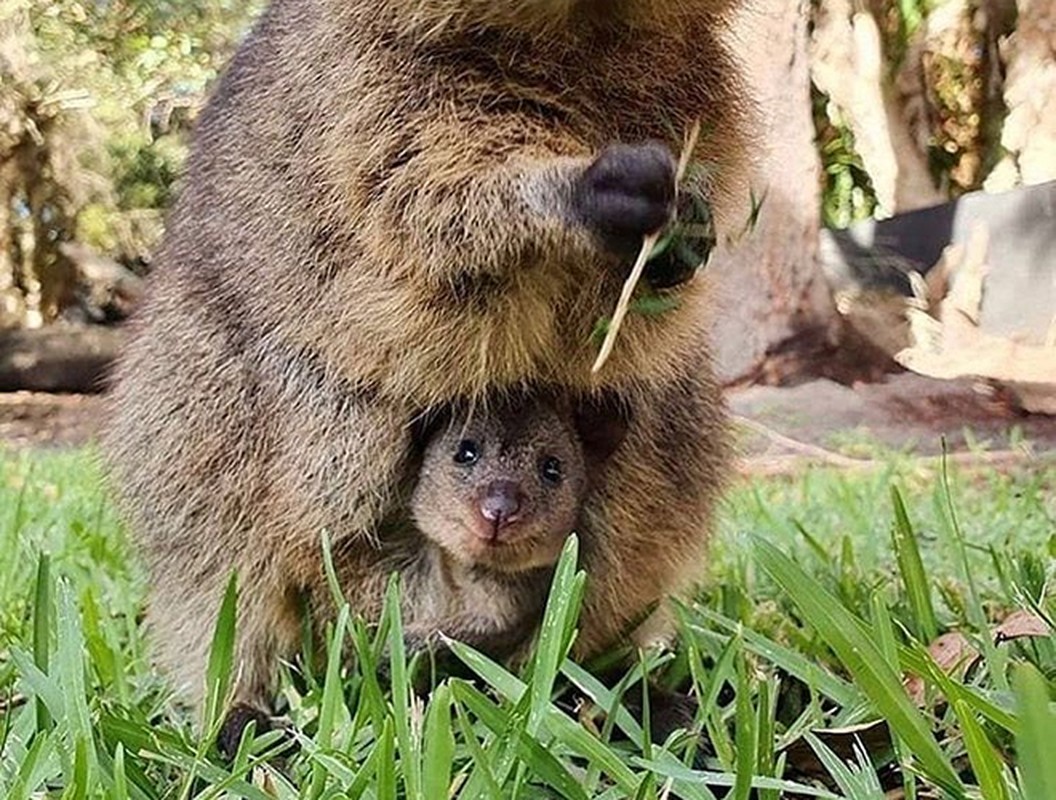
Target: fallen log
{"type": "Point", "coordinates": [60, 358]}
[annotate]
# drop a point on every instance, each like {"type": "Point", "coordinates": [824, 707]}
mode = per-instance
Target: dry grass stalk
{"type": "Point", "coordinates": [648, 243]}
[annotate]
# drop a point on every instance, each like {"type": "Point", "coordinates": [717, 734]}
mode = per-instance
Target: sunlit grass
{"type": "Point", "coordinates": [812, 612]}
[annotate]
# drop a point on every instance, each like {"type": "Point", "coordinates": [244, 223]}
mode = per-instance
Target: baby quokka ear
{"type": "Point", "coordinates": [601, 422]}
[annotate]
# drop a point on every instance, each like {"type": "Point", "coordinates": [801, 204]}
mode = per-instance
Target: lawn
{"type": "Point", "coordinates": [824, 593]}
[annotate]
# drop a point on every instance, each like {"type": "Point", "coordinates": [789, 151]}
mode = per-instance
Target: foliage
{"type": "Point", "coordinates": [804, 629]}
{"type": "Point", "coordinates": [846, 190]}
{"type": "Point", "coordinates": [96, 99]}
{"type": "Point", "coordinates": [943, 78]}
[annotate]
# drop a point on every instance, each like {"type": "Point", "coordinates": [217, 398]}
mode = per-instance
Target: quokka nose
{"type": "Point", "coordinates": [501, 502]}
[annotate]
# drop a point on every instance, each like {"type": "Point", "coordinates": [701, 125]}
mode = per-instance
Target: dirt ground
{"type": "Point", "coordinates": [780, 428]}
{"type": "Point", "coordinates": [35, 419]}
{"type": "Point", "coordinates": [823, 421]}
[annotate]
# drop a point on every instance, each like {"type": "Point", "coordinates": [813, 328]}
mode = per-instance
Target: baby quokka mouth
{"type": "Point", "coordinates": [501, 504]}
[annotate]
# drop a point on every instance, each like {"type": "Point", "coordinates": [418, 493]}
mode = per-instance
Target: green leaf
{"type": "Point", "coordinates": [805, 669]}
{"type": "Point", "coordinates": [42, 605]}
{"type": "Point", "coordinates": [556, 631]}
{"type": "Point", "coordinates": [856, 782]}
{"type": "Point", "coordinates": [120, 781]}
{"type": "Point", "coordinates": [439, 745]}
{"type": "Point", "coordinates": [745, 736]}
{"type": "Point", "coordinates": [765, 732]}
{"type": "Point", "coordinates": [608, 699]}
{"type": "Point", "coordinates": [653, 305]}
{"type": "Point", "coordinates": [331, 573]}
{"type": "Point", "coordinates": [479, 756]}
{"type": "Point", "coordinates": [986, 764]}
{"type": "Point", "coordinates": [70, 669]}
{"type": "Point", "coordinates": [371, 698]}
{"type": "Point", "coordinates": [885, 637]}
{"type": "Point", "coordinates": [401, 691]}
{"type": "Point", "coordinates": [387, 764]}
{"type": "Point", "coordinates": [529, 750]}
{"type": "Point", "coordinates": [44, 687]}
{"type": "Point", "coordinates": [995, 658]}
{"type": "Point", "coordinates": [566, 730]}
{"type": "Point", "coordinates": [332, 697]}
{"type": "Point", "coordinates": [689, 776]}
{"type": "Point", "coordinates": [33, 771]}
{"type": "Point", "coordinates": [918, 661]}
{"type": "Point", "coordinates": [600, 330]}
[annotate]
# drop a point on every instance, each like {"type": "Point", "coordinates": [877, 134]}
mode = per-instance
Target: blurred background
{"type": "Point", "coordinates": [894, 278]}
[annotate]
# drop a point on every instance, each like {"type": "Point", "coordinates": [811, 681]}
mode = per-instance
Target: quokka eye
{"type": "Point", "coordinates": [468, 453]}
{"type": "Point", "coordinates": [552, 470]}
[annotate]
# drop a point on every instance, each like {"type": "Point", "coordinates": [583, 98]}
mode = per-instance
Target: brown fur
{"type": "Point", "coordinates": [376, 221]}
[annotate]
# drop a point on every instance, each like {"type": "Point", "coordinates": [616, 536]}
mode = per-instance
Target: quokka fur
{"type": "Point", "coordinates": [384, 213]}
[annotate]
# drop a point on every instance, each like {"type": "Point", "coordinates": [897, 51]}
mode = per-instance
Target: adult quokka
{"type": "Point", "coordinates": [396, 205]}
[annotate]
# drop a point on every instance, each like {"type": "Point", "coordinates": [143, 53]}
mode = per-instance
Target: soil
{"type": "Point", "coordinates": [40, 420]}
{"type": "Point", "coordinates": [824, 421]}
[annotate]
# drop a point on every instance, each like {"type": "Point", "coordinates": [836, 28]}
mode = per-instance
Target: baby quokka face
{"type": "Point", "coordinates": [503, 487]}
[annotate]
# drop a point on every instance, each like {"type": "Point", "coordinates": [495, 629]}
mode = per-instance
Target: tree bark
{"type": "Point", "coordinates": [849, 65]}
{"type": "Point", "coordinates": [1029, 134]}
{"type": "Point", "coordinates": [769, 292]}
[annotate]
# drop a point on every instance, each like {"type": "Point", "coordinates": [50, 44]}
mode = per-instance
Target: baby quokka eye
{"type": "Point", "coordinates": [552, 470]}
{"type": "Point", "coordinates": [468, 453]}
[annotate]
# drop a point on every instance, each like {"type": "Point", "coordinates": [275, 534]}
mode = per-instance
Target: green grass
{"type": "Point", "coordinates": [823, 592]}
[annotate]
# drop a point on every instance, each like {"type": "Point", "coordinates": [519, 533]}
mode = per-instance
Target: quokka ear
{"type": "Point", "coordinates": [602, 422]}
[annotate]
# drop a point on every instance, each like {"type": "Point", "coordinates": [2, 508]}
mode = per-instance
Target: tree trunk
{"type": "Point", "coordinates": [770, 296]}
{"type": "Point", "coordinates": [10, 297]}
{"type": "Point", "coordinates": [1029, 134]}
{"type": "Point", "coordinates": [30, 140]}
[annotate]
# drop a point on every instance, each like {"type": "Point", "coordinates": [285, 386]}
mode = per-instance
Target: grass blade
{"type": "Point", "coordinates": [975, 610]}
{"type": "Point", "coordinates": [70, 670]}
{"type": "Point", "coordinates": [1037, 727]}
{"type": "Point", "coordinates": [42, 631]}
{"type": "Point", "coordinates": [986, 764]}
{"type": "Point", "coordinates": [680, 772]}
{"type": "Point", "coordinates": [221, 659]}
{"type": "Point", "coordinates": [479, 756]}
{"type": "Point", "coordinates": [531, 752]}
{"type": "Point", "coordinates": [917, 660]}
{"type": "Point", "coordinates": [402, 693]}
{"type": "Point", "coordinates": [331, 700]}
{"type": "Point", "coordinates": [918, 588]}
{"type": "Point", "coordinates": [387, 765]}
{"type": "Point", "coordinates": [802, 667]}
{"type": "Point", "coordinates": [556, 631]}
{"type": "Point", "coordinates": [569, 732]}
{"type": "Point", "coordinates": [439, 745]}
{"type": "Point", "coordinates": [120, 782]}
{"type": "Point", "coordinates": [860, 655]}
{"type": "Point", "coordinates": [858, 783]}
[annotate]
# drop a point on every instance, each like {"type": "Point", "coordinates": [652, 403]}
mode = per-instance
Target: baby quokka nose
{"type": "Point", "coordinates": [500, 506]}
